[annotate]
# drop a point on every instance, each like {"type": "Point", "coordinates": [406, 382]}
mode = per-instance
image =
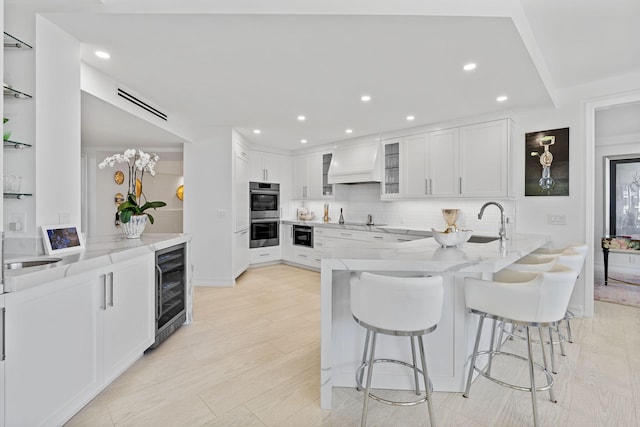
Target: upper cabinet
{"type": "Point", "coordinates": [484, 159]}
{"type": "Point", "coordinates": [469, 161]}
{"type": "Point", "coordinates": [264, 167]}
{"type": "Point", "coordinates": [310, 176]}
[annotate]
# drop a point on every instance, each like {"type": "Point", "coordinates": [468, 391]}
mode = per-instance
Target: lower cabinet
{"type": "Point", "coordinates": [268, 254]}
{"type": "Point", "coordinates": [68, 339]}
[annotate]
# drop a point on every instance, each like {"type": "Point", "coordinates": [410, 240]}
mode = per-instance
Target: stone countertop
{"type": "Point", "coordinates": [99, 252]}
{"type": "Point", "coordinates": [361, 226]}
{"type": "Point", "coordinates": [427, 255]}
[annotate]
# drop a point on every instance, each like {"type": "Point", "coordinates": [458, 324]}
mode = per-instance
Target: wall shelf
{"type": "Point", "coordinates": [14, 42]}
{"type": "Point", "coordinates": [16, 145]}
{"type": "Point", "coordinates": [18, 196]}
{"type": "Point", "coordinates": [9, 91]}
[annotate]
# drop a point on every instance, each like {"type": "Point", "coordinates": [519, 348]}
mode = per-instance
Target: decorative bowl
{"type": "Point", "coordinates": [453, 239]}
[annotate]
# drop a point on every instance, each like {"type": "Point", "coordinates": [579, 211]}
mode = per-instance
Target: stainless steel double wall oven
{"type": "Point", "coordinates": [265, 214]}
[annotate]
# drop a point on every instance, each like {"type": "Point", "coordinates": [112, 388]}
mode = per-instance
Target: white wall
{"type": "Point", "coordinates": [57, 126]}
{"type": "Point", "coordinates": [208, 206]}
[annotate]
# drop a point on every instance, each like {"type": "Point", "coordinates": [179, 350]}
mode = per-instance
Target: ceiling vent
{"type": "Point", "coordinates": [142, 104]}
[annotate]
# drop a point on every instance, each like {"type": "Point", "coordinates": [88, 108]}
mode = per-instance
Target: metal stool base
{"type": "Point", "coordinates": [360, 387]}
{"type": "Point", "coordinates": [491, 354]}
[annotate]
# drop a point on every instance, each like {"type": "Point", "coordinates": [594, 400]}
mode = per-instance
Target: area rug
{"type": "Point", "coordinates": [620, 290]}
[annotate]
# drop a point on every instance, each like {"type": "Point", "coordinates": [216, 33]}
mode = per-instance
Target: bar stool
{"type": "Point", "coordinates": [399, 306]}
{"type": "Point", "coordinates": [574, 262]}
{"type": "Point", "coordinates": [541, 263]}
{"type": "Point", "coordinates": [529, 299]}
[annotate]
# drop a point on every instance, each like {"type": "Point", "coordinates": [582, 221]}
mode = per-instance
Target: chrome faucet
{"type": "Point", "coordinates": [503, 228]}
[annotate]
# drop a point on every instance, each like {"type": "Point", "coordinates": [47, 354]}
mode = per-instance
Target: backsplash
{"type": "Point", "coordinates": [359, 200]}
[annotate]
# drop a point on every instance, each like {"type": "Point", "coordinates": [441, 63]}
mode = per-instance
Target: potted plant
{"type": "Point", "coordinates": [132, 212]}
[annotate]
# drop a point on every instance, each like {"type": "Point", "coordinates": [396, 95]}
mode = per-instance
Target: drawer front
{"type": "Point", "coordinates": [364, 236]}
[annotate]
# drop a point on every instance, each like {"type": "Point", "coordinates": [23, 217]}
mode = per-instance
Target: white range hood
{"type": "Point", "coordinates": [354, 164]}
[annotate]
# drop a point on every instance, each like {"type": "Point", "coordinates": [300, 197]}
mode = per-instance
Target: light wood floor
{"type": "Point", "coordinates": [252, 358]}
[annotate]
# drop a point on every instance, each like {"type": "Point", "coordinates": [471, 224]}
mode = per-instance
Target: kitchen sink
{"type": "Point", "coordinates": [482, 239]}
{"type": "Point", "coordinates": [26, 263]}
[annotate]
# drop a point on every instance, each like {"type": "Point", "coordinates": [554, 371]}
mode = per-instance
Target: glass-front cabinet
{"type": "Point", "coordinates": [392, 168]}
{"type": "Point", "coordinates": [327, 189]}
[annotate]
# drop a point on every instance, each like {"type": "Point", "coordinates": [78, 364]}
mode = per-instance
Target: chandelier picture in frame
{"type": "Point", "coordinates": [547, 163]}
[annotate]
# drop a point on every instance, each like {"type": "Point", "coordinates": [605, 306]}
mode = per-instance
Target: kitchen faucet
{"type": "Point", "coordinates": [503, 229]}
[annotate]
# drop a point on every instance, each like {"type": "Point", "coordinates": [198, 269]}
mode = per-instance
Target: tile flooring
{"type": "Point", "coordinates": [252, 358]}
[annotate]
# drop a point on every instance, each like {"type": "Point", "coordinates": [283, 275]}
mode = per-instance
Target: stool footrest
{"type": "Point", "coordinates": [360, 387]}
{"type": "Point", "coordinates": [545, 387]}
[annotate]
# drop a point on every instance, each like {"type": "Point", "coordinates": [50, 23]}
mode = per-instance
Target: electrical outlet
{"type": "Point", "coordinates": [557, 219]}
{"type": "Point", "coordinates": [18, 222]}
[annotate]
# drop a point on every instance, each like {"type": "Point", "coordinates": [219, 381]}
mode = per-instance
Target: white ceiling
{"type": "Point", "coordinates": [263, 69]}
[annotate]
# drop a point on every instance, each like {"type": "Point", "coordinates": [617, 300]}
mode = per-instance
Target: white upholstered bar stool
{"type": "Point", "coordinates": [573, 262]}
{"type": "Point", "coordinates": [529, 299]}
{"type": "Point", "coordinates": [400, 306]}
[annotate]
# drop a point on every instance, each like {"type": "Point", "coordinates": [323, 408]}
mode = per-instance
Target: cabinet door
{"type": "Point", "coordinates": [414, 180]}
{"type": "Point", "coordinates": [300, 183]}
{"type": "Point", "coordinates": [391, 185]}
{"type": "Point", "coordinates": [241, 189]}
{"type": "Point", "coordinates": [314, 166]}
{"type": "Point", "coordinates": [287, 241]}
{"type": "Point", "coordinates": [2, 344]}
{"type": "Point", "coordinates": [442, 164]}
{"type": "Point", "coordinates": [129, 316]}
{"type": "Point", "coordinates": [240, 252]}
{"type": "Point", "coordinates": [271, 166]}
{"type": "Point", "coordinates": [52, 351]}
{"type": "Point", "coordinates": [484, 159]}
{"type": "Point", "coordinates": [327, 189]}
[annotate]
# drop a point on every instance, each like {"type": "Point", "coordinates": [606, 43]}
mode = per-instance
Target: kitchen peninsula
{"type": "Point", "coordinates": [448, 347]}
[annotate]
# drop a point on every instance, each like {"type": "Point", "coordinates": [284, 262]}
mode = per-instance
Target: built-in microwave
{"type": "Point", "coordinates": [264, 200]}
{"type": "Point", "coordinates": [303, 235]}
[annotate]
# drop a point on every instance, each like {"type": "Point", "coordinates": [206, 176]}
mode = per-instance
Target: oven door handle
{"type": "Point", "coordinates": [264, 220]}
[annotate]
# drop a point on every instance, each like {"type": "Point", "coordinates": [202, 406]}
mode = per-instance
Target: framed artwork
{"type": "Point", "coordinates": [624, 196]}
{"type": "Point", "coordinates": [547, 163]}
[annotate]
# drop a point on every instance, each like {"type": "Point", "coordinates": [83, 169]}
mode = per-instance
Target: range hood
{"type": "Point", "coordinates": [354, 164]}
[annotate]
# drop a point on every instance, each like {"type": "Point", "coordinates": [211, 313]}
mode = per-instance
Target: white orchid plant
{"type": "Point", "coordinates": [138, 163]}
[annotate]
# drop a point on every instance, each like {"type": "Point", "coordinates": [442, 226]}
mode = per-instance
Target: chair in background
{"type": "Point", "coordinates": [397, 306]}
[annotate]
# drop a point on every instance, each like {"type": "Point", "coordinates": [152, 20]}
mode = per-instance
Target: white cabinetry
{"type": "Point", "coordinates": [2, 341]}
{"type": "Point", "coordinates": [310, 176]}
{"type": "Point", "coordinates": [286, 241]}
{"type": "Point", "coordinates": [469, 161]}
{"type": "Point", "coordinates": [264, 167]}
{"type": "Point", "coordinates": [241, 209]}
{"type": "Point", "coordinates": [484, 159]}
{"type": "Point", "coordinates": [268, 254]}
{"type": "Point", "coordinates": [67, 339]}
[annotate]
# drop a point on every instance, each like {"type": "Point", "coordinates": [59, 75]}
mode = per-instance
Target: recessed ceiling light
{"type": "Point", "coordinates": [411, 118]}
{"type": "Point", "coordinates": [256, 131]}
{"type": "Point", "coordinates": [470, 66]}
{"type": "Point", "coordinates": [349, 130]}
{"type": "Point", "coordinates": [303, 141]}
{"type": "Point", "coordinates": [365, 98]}
{"type": "Point", "coordinates": [302, 118]}
{"type": "Point", "coordinates": [501, 98]}
{"type": "Point", "coordinates": [102, 55]}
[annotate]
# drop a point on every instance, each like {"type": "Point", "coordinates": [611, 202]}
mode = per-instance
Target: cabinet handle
{"type": "Point", "coordinates": [377, 237]}
{"type": "Point", "coordinates": [103, 306]}
{"type": "Point", "coordinates": [244, 232]}
{"type": "Point", "coordinates": [346, 234]}
{"type": "Point", "coordinates": [426, 186]}
{"type": "Point", "coordinates": [302, 256]}
{"type": "Point", "coordinates": [266, 174]}
{"type": "Point", "coordinates": [111, 288]}
{"type": "Point", "coordinates": [158, 291]}
{"type": "Point", "coordinates": [265, 254]}
{"type": "Point", "coordinates": [403, 240]}
{"type": "Point", "coordinates": [2, 355]}
{"type": "Point", "coordinates": [430, 187]}
{"type": "Point", "coordinates": [460, 185]}
{"type": "Point", "coordinates": [304, 191]}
